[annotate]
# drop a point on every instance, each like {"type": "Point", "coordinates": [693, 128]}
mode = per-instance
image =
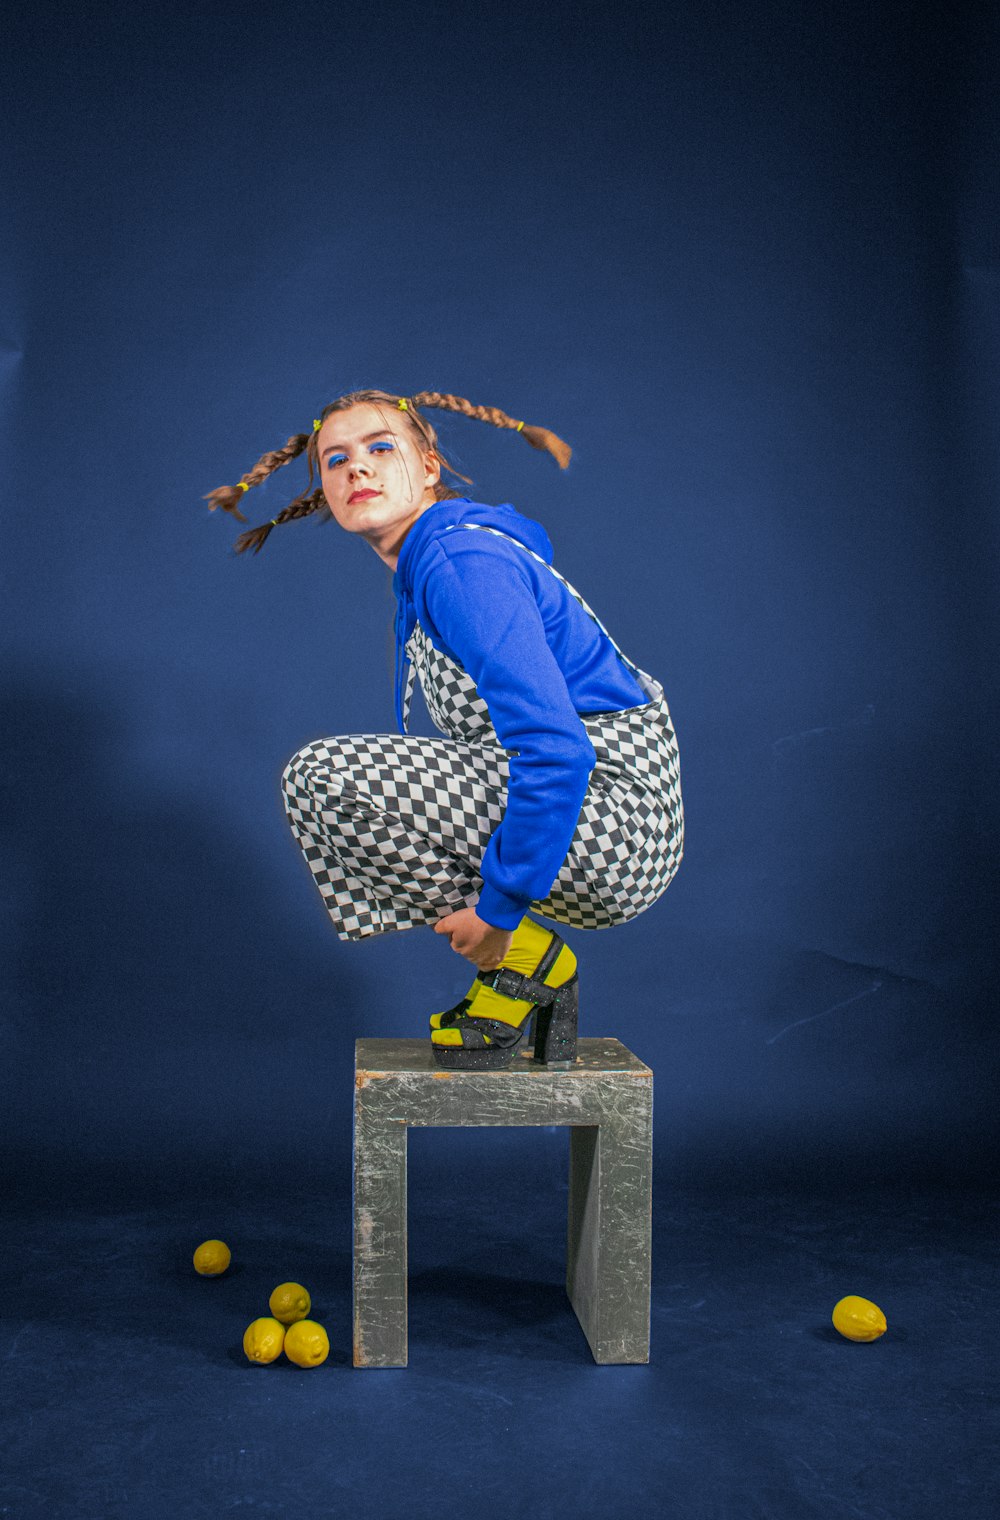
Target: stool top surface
{"type": "Point", "coordinates": [594, 1057]}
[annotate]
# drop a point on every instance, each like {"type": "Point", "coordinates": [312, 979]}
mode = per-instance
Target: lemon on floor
{"type": "Point", "coordinates": [858, 1319]}
{"type": "Point", "coordinates": [263, 1339]}
{"type": "Point", "coordinates": [211, 1258]}
{"type": "Point", "coordinates": [289, 1302]}
{"type": "Point", "coordinates": [306, 1343]}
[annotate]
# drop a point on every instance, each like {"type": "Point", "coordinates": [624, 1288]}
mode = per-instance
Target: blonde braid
{"type": "Point", "coordinates": [538, 437]}
{"type": "Point", "coordinates": [255, 538]}
{"type": "Point", "coordinates": [228, 497]}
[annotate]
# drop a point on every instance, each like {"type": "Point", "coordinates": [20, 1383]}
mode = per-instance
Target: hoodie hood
{"type": "Point", "coordinates": [427, 529]}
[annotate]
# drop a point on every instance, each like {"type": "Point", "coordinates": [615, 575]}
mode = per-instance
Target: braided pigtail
{"type": "Point", "coordinates": [228, 497]}
{"type": "Point", "coordinates": [255, 538]}
{"type": "Point", "coordinates": [538, 437]}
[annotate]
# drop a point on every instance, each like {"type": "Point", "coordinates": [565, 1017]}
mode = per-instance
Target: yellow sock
{"type": "Point", "coordinates": [528, 946]}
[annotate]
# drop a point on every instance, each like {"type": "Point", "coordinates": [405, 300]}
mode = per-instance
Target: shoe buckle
{"type": "Point", "coordinates": [494, 978]}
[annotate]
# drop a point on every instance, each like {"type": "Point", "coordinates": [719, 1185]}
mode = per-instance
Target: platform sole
{"type": "Point", "coordinates": [554, 1028]}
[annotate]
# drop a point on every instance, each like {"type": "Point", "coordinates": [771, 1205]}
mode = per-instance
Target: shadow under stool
{"type": "Point", "coordinates": [605, 1097]}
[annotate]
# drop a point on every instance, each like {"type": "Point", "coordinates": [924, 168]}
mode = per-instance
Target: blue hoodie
{"type": "Point", "coordinates": [538, 661]}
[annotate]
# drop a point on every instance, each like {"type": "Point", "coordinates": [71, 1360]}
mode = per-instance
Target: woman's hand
{"type": "Point", "coordinates": [480, 943]}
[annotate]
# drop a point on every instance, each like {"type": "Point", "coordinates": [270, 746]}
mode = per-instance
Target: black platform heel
{"type": "Point", "coordinates": [556, 1025]}
{"type": "Point", "coordinates": [490, 1044]}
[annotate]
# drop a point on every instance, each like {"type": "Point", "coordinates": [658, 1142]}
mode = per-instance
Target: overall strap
{"type": "Point", "coordinates": [571, 589]}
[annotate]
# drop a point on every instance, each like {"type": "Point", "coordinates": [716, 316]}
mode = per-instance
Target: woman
{"type": "Point", "coordinates": [557, 786]}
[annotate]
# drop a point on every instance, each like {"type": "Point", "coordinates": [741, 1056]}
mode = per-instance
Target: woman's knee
{"type": "Point", "coordinates": [303, 772]}
{"type": "Point", "coordinates": [317, 774]}
{"type": "Point", "coordinates": [294, 778]}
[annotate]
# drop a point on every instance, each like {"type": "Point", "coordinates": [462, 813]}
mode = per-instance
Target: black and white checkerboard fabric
{"type": "Point", "coordinates": [394, 827]}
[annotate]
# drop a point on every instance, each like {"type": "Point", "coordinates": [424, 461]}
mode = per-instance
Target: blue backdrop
{"type": "Point", "coordinates": [743, 261]}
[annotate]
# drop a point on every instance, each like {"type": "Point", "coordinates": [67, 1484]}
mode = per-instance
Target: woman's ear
{"type": "Point", "coordinates": [432, 468]}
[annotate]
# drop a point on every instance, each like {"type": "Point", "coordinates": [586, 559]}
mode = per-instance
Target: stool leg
{"type": "Point", "coordinates": [379, 1240]}
{"type": "Point", "coordinates": [609, 1236]}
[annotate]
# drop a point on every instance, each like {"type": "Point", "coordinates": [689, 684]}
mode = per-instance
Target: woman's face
{"type": "Point", "coordinates": [375, 479]}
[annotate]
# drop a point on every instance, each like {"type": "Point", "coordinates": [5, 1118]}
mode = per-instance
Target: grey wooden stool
{"type": "Point", "coordinates": [606, 1097]}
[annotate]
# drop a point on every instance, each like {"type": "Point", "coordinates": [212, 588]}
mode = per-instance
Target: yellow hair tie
{"type": "Point", "coordinates": [520, 425]}
{"type": "Point", "coordinates": [273, 521]}
{"type": "Point", "coordinates": [242, 486]}
{"type": "Point", "coordinates": [401, 404]}
{"type": "Point", "coordinates": [316, 424]}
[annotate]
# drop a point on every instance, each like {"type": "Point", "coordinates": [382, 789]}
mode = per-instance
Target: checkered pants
{"type": "Point", "coordinates": [394, 828]}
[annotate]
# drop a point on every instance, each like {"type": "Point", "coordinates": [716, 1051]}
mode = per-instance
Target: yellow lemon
{"type": "Point", "coordinates": [212, 1257]}
{"type": "Point", "coordinates": [289, 1302]}
{"type": "Point", "coordinates": [306, 1343]}
{"type": "Point", "coordinates": [859, 1319]}
{"type": "Point", "coordinates": [263, 1339]}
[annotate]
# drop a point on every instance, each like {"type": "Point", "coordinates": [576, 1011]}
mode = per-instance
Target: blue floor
{"type": "Point", "coordinates": [126, 1391]}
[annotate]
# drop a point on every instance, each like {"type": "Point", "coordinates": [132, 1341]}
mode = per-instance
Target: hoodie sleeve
{"type": "Point", "coordinates": [483, 604]}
